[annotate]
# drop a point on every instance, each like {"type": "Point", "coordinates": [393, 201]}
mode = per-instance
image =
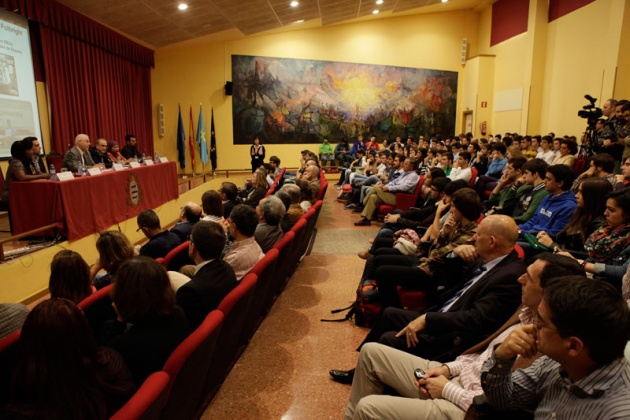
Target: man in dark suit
{"type": "Point", "coordinates": [485, 297]}
{"type": "Point", "coordinates": [213, 279]}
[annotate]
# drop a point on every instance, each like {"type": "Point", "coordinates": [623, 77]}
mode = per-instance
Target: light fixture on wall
{"type": "Point", "coordinates": [182, 6]}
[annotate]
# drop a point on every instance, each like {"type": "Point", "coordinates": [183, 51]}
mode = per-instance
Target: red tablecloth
{"type": "Point", "coordinates": [91, 204]}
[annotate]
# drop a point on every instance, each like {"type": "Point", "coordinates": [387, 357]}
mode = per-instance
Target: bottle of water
{"type": "Point", "coordinates": [143, 157]}
{"type": "Point", "coordinates": [118, 160]}
{"type": "Point", "coordinates": [53, 172]}
{"type": "Point", "coordinates": [80, 169]}
{"type": "Point", "coordinates": [157, 158]}
{"type": "Point", "coordinates": [135, 158]}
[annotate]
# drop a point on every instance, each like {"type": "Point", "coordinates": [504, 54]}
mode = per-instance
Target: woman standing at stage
{"type": "Point", "coordinates": [257, 152]}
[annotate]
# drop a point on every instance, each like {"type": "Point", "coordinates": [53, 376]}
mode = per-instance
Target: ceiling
{"type": "Point", "coordinates": [159, 23]}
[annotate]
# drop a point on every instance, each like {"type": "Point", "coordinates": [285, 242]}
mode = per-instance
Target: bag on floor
{"type": "Point", "coordinates": [366, 309]}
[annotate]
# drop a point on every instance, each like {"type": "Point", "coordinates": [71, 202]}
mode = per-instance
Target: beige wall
{"type": "Point", "coordinates": [196, 73]}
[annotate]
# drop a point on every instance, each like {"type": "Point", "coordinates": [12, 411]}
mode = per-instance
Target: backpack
{"type": "Point", "coordinates": [366, 309]}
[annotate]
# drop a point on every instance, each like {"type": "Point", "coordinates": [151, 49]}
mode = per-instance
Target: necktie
{"type": "Point", "coordinates": [83, 158]}
{"type": "Point", "coordinates": [461, 291]}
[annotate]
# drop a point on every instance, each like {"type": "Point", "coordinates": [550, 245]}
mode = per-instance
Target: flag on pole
{"type": "Point", "coordinates": [191, 136]}
{"type": "Point", "coordinates": [201, 137]}
{"type": "Point", "coordinates": [181, 141]}
{"type": "Point", "coordinates": [213, 144]}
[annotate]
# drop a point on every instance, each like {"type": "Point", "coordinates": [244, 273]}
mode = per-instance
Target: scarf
{"type": "Point", "coordinates": [605, 243]}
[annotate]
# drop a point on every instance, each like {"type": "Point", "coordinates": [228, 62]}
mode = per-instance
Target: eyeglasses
{"type": "Point", "coordinates": [540, 324]}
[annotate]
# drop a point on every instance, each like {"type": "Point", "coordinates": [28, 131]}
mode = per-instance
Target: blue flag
{"type": "Point", "coordinates": [181, 141]}
{"type": "Point", "coordinates": [201, 138]}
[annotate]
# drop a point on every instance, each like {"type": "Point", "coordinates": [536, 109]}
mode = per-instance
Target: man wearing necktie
{"type": "Point", "coordinates": [79, 153]}
{"type": "Point", "coordinates": [486, 295]}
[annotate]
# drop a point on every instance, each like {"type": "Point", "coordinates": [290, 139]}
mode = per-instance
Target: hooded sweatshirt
{"type": "Point", "coordinates": [553, 214]}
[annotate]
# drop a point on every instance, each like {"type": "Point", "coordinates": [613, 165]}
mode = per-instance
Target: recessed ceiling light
{"type": "Point", "coordinates": [299, 21]}
{"type": "Point", "coordinates": [379, 1]}
{"type": "Point", "coordinates": [294, 3]}
{"type": "Point", "coordinates": [375, 12]}
{"type": "Point", "coordinates": [444, 1]}
{"type": "Point", "coordinates": [182, 6]}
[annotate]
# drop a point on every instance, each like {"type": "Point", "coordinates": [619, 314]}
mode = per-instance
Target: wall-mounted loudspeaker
{"type": "Point", "coordinates": [464, 48]}
{"type": "Point", "coordinates": [228, 88]}
{"type": "Point", "coordinates": [160, 112]}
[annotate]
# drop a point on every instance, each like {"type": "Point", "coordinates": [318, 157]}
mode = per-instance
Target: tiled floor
{"type": "Point", "coordinates": [283, 373]}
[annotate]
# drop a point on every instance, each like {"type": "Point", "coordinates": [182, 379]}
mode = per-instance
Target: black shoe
{"type": "Point", "coordinates": [357, 209]}
{"type": "Point", "coordinates": [363, 222]}
{"type": "Point", "coordinates": [343, 376]}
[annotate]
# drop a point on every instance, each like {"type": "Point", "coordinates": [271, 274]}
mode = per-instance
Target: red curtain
{"type": "Point", "coordinates": [99, 82]}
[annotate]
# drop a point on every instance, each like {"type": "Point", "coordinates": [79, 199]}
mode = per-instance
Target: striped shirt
{"type": "Point", "coordinates": [603, 394]}
{"type": "Point", "coordinates": [468, 368]}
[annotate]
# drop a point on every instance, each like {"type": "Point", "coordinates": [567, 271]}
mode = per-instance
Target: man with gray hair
{"type": "Point", "coordinates": [295, 211]}
{"type": "Point", "coordinates": [311, 174]}
{"type": "Point", "coordinates": [79, 153]}
{"type": "Point", "coordinates": [270, 211]}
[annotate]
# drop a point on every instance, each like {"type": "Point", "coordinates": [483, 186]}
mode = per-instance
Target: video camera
{"type": "Point", "coordinates": [590, 112]}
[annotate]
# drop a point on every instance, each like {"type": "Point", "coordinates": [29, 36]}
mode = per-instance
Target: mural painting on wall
{"type": "Point", "coordinates": [302, 101]}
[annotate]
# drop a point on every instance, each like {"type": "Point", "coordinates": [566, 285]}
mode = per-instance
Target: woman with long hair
{"type": "Point", "coordinates": [60, 373]}
{"type": "Point", "coordinates": [257, 190]}
{"type": "Point", "coordinates": [589, 216]}
{"type": "Point", "coordinates": [608, 247]}
{"type": "Point", "coordinates": [69, 277]}
{"type": "Point", "coordinates": [113, 249]}
{"type": "Point", "coordinates": [212, 207]}
{"type": "Point", "coordinates": [148, 326]}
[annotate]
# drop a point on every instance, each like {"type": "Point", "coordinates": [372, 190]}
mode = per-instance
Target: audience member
{"type": "Point", "coordinates": [326, 154]}
{"type": "Point", "coordinates": [501, 200]}
{"type": "Point", "coordinates": [274, 161]}
{"type": "Point", "coordinates": [285, 198]}
{"type": "Point", "coordinates": [528, 190]}
{"type": "Point", "coordinates": [568, 149]}
{"type": "Point", "coordinates": [462, 171]}
{"type": "Point", "coordinates": [69, 277]}
{"type": "Point", "coordinates": [343, 155]}
{"type": "Point", "coordinates": [189, 215]}
{"type": "Point", "coordinates": [270, 212]}
{"type": "Point", "coordinates": [254, 192]}
{"type": "Point", "coordinates": [446, 390]}
{"type": "Point", "coordinates": [386, 193]}
{"type": "Point", "coordinates": [482, 299]}
{"type": "Point", "coordinates": [295, 211]}
{"type": "Point", "coordinates": [160, 241]}
{"type": "Point", "coordinates": [306, 194]}
{"type": "Point", "coordinates": [546, 153]}
{"type": "Point", "coordinates": [60, 373]}
{"type": "Point", "coordinates": [311, 175]}
{"type": "Point", "coordinates": [212, 205]}
{"type": "Point", "coordinates": [113, 249]}
{"type": "Point", "coordinates": [12, 316]}
{"type": "Point", "coordinates": [589, 216]}
{"type": "Point", "coordinates": [600, 166]}
{"type": "Point", "coordinates": [149, 326]}
{"type": "Point", "coordinates": [581, 329]}
{"type": "Point", "coordinates": [555, 210]}
{"type": "Point", "coordinates": [229, 197]}
{"type": "Point", "coordinates": [79, 153]}
{"type": "Point", "coordinates": [245, 251]}
{"type": "Point", "coordinates": [213, 278]}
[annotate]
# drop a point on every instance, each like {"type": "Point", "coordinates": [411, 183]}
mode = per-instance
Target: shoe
{"type": "Point", "coordinates": [343, 376]}
{"type": "Point", "coordinates": [357, 209]}
{"type": "Point", "coordinates": [363, 222]}
{"type": "Point", "coordinates": [350, 206]}
{"type": "Point", "coordinates": [364, 255]}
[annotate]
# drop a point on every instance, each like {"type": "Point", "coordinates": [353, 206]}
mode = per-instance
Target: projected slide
{"type": "Point", "coordinates": [18, 98]}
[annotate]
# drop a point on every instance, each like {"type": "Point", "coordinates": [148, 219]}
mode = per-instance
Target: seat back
{"type": "Point", "coordinates": [265, 293]}
{"type": "Point", "coordinates": [147, 402]}
{"type": "Point", "coordinates": [280, 275]}
{"type": "Point", "coordinates": [177, 257]}
{"type": "Point", "coordinates": [98, 309]}
{"type": "Point", "coordinates": [299, 229]}
{"type": "Point", "coordinates": [235, 310]}
{"type": "Point", "coordinates": [8, 351]}
{"type": "Point", "coordinates": [185, 366]}
{"type": "Point", "coordinates": [1, 180]}
{"type": "Point", "coordinates": [473, 177]}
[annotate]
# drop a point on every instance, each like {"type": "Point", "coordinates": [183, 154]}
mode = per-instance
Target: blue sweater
{"type": "Point", "coordinates": [553, 214]}
{"type": "Point", "coordinates": [496, 166]}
